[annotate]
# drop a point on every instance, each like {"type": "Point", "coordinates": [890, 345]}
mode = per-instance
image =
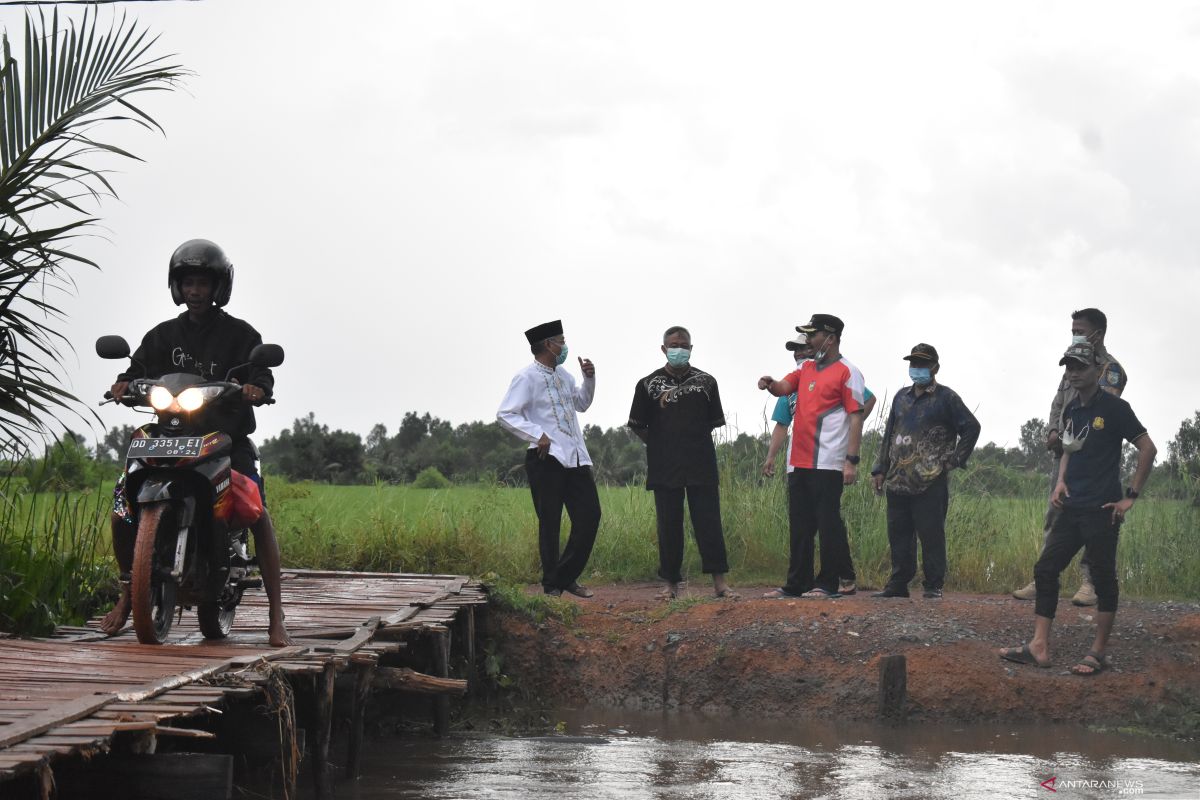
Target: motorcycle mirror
{"type": "Point", "coordinates": [112, 347]}
{"type": "Point", "coordinates": [266, 355]}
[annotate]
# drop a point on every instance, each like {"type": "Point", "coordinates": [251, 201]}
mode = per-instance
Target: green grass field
{"type": "Point", "coordinates": [55, 564]}
{"type": "Point", "coordinates": [992, 542]}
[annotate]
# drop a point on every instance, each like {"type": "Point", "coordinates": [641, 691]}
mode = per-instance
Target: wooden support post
{"type": "Point", "coordinates": [893, 688]}
{"type": "Point", "coordinates": [324, 731]}
{"type": "Point", "coordinates": [364, 676]}
{"type": "Point", "coordinates": [441, 668]}
{"type": "Point", "coordinates": [469, 648]}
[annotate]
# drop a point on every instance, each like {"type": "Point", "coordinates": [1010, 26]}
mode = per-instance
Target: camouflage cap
{"type": "Point", "coordinates": [1082, 352]}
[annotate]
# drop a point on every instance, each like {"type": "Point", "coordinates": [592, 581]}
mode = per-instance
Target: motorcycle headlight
{"type": "Point", "coordinates": [191, 399]}
{"type": "Point", "coordinates": [194, 397]}
{"type": "Point", "coordinates": [160, 398]}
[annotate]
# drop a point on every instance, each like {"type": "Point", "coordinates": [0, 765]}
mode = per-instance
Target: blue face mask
{"type": "Point", "coordinates": [678, 356]}
{"type": "Point", "coordinates": [561, 358]}
{"type": "Point", "coordinates": [921, 376]}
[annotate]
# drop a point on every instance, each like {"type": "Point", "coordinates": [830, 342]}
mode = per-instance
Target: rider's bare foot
{"type": "Point", "coordinates": [115, 620]}
{"type": "Point", "coordinates": [277, 634]}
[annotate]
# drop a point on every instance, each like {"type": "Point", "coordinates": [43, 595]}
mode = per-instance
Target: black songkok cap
{"type": "Point", "coordinates": [547, 330]}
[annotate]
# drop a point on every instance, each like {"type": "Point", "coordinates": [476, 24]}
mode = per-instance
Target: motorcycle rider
{"type": "Point", "coordinates": [206, 341]}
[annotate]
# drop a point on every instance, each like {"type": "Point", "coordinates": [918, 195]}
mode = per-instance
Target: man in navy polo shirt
{"type": "Point", "coordinates": [1095, 424]}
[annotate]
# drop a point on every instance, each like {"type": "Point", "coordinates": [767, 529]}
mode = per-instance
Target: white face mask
{"type": "Point", "coordinates": [1072, 443]}
{"type": "Point", "coordinates": [1078, 338]}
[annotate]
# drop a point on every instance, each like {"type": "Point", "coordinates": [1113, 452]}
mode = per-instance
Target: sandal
{"type": "Point", "coordinates": [779, 594]}
{"type": "Point", "coordinates": [1022, 655]}
{"type": "Point", "coordinates": [727, 594]}
{"type": "Point", "coordinates": [820, 594]}
{"type": "Point", "coordinates": [665, 594]}
{"type": "Point", "coordinates": [1092, 664]}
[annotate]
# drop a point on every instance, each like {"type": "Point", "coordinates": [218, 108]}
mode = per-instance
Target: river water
{"type": "Point", "coordinates": [620, 754]}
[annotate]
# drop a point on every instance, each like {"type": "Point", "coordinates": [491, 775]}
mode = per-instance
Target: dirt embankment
{"type": "Point", "coordinates": [820, 658]}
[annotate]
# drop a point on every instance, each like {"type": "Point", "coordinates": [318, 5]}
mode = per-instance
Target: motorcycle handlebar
{"type": "Point", "coordinates": [229, 386]}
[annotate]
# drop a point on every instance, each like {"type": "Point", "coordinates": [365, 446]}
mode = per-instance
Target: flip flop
{"type": "Point", "coordinates": [1022, 655]}
{"type": "Point", "coordinates": [665, 594]}
{"type": "Point", "coordinates": [819, 594]}
{"type": "Point", "coordinates": [727, 594]}
{"type": "Point", "coordinates": [779, 594]}
{"type": "Point", "coordinates": [1097, 665]}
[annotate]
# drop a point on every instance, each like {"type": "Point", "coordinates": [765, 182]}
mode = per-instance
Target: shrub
{"type": "Point", "coordinates": [431, 478]}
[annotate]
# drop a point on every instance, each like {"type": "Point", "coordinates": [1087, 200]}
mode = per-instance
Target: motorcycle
{"type": "Point", "coordinates": [180, 487]}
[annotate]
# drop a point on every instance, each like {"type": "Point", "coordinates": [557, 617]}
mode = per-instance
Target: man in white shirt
{"type": "Point", "coordinates": [541, 408]}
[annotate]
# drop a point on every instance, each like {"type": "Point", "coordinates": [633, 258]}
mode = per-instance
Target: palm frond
{"type": "Point", "coordinates": [73, 81]}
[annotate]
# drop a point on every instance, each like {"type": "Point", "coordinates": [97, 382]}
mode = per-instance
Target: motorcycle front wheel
{"type": "Point", "coordinates": [215, 620]}
{"type": "Point", "coordinates": [152, 597]}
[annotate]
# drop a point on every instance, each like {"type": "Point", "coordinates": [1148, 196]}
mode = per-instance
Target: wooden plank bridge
{"type": "Point", "coordinates": [80, 693]}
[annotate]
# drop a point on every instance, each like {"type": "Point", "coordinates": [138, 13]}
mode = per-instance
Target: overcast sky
{"type": "Point", "coordinates": [405, 187]}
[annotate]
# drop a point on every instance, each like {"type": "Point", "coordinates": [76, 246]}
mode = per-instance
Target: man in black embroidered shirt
{"type": "Point", "coordinates": [1095, 424]}
{"type": "Point", "coordinates": [929, 432]}
{"type": "Point", "coordinates": [674, 411]}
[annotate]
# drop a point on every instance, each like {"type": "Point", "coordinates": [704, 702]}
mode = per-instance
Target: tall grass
{"type": "Point", "coordinates": [56, 566]}
{"type": "Point", "coordinates": [55, 561]}
{"type": "Point", "coordinates": [992, 542]}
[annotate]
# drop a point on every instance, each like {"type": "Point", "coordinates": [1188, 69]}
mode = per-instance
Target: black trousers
{"type": "Point", "coordinates": [554, 486]}
{"type": "Point", "coordinates": [815, 505]}
{"type": "Point", "coordinates": [923, 516]}
{"type": "Point", "coordinates": [1092, 529]}
{"type": "Point", "coordinates": [1052, 512]}
{"type": "Point", "coordinates": [704, 504]}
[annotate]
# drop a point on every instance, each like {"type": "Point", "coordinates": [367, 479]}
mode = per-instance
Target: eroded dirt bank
{"type": "Point", "coordinates": [820, 658]}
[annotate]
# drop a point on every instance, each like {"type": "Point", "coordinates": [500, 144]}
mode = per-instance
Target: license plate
{"type": "Point", "coordinates": [179, 447]}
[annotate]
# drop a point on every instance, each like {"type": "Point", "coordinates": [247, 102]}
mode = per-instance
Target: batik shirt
{"type": "Point", "coordinates": [925, 436]}
{"type": "Point", "coordinates": [678, 415]}
{"type": "Point", "coordinates": [544, 400]}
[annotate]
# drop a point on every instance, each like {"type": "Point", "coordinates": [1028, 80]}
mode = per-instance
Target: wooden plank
{"type": "Point", "coordinates": [45, 720]}
{"type": "Point", "coordinates": [364, 634]}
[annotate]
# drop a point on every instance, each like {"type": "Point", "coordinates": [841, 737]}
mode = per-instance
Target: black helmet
{"type": "Point", "coordinates": [201, 255]}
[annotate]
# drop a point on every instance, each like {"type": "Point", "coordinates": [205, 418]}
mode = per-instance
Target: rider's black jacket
{"type": "Point", "coordinates": [208, 349]}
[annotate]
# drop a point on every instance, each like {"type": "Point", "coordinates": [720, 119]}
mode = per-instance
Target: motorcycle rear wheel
{"type": "Point", "coordinates": [215, 620]}
{"type": "Point", "coordinates": [152, 598]}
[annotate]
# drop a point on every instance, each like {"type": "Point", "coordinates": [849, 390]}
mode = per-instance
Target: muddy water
{"type": "Point", "coordinates": [621, 754]}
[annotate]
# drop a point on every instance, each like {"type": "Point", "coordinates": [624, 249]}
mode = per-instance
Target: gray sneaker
{"type": "Point", "coordinates": [1027, 592]}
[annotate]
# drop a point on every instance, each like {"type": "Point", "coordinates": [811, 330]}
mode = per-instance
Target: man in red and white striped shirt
{"type": "Point", "coordinates": [826, 434]}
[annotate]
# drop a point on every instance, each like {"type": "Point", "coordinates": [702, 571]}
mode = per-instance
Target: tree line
{"type": "Point", "coordinates": [430, 451]}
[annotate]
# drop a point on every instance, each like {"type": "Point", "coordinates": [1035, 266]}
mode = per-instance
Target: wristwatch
{"type": "Point", "coordinates": [853, 460]}
{"type": "Point", "coordinates": [1131, 494]}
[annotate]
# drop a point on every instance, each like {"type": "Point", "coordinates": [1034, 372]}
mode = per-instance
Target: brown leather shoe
{"type": "Point", "coordinates": [579, 590]}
